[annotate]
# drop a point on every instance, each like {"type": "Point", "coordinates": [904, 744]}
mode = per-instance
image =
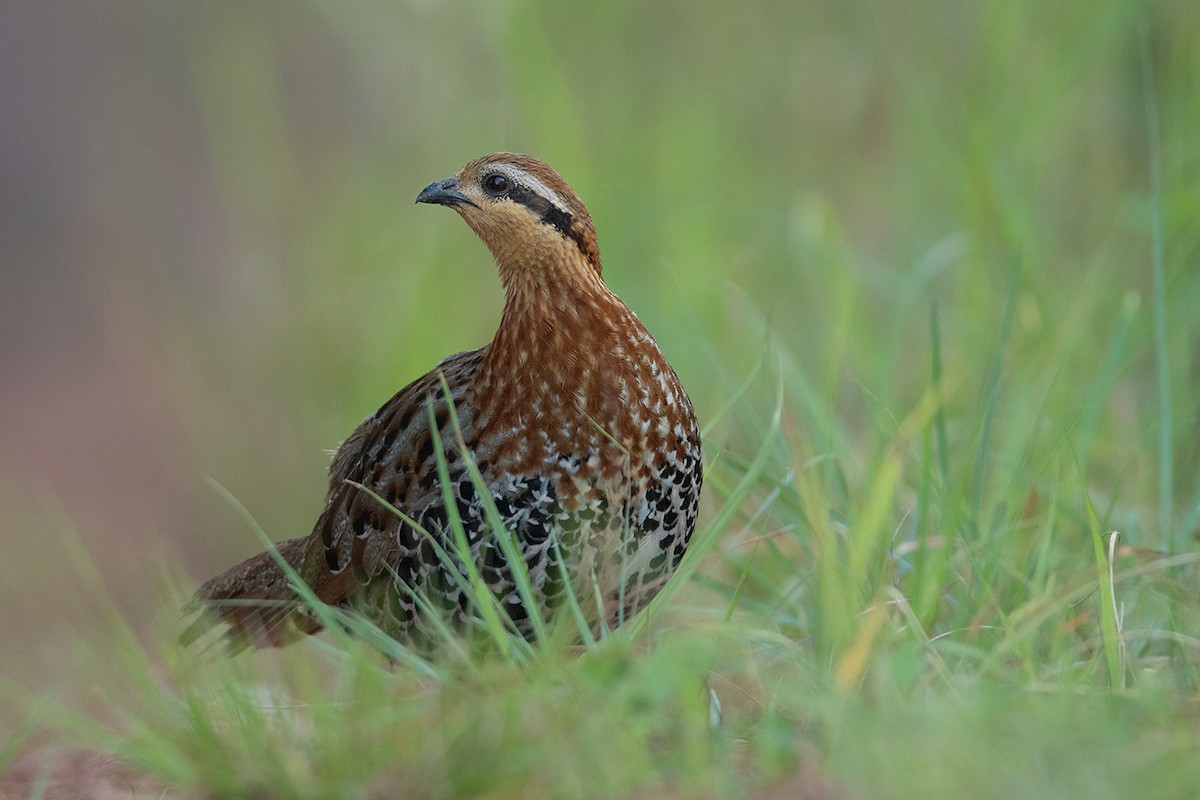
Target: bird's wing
{"type": "Point", "coordinates": [356, 536]}
{"type": "Point", "coordinates": [389, 457]}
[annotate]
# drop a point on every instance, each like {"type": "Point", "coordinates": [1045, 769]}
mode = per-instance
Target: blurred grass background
{"type": "Point", "coordinates": [213, 267]}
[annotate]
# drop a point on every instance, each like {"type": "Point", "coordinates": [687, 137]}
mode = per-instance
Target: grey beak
{"type": "Point", "coordinates": [443, 193]}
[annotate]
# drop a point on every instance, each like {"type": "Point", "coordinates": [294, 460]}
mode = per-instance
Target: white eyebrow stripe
{"type": "Point", "coordinates": [521, 176]}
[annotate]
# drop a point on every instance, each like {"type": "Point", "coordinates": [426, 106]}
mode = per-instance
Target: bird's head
{"type": "Point", "coordinates": [533, 222]}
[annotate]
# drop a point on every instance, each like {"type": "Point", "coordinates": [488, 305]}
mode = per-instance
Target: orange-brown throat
{"type": "Point", "coordinates": [554, 322]}
{"type": "Point", "coordinates": [574, 333]}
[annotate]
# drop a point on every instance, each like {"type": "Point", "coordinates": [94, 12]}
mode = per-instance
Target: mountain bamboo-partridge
{"type": "Point", "coordinates": [582, 434]}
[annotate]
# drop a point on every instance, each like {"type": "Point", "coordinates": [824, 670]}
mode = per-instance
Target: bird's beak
{"type": "Point", "coordinates": [443, 193]}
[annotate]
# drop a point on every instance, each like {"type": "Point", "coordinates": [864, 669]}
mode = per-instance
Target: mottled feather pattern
{"type": "Point", "coordinates": [584, 438]}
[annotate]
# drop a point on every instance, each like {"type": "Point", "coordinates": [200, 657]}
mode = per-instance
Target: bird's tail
{"type": "Point", "coordinates": [256, 600]}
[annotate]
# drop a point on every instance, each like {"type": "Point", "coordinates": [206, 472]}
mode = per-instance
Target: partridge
{"type": "Point", "coordinates": [583, 436]}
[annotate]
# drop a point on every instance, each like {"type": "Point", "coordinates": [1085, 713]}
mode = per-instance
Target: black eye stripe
{"type": "Point", "coordinates": [549, 213]}
{"type": "Point", "coordinates": [546, 211]}
{"type": "Point", "coordinates": [565, 223]}
{"type": "Point", "coordinates": [519, 193]}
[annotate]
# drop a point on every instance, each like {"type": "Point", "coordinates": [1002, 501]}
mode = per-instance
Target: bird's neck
{"type": "Point", "coordinates": [560, 331]}
{"type": "Point", "coordinates": [569, 315]}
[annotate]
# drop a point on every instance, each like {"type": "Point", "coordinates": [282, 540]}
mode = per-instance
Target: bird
{"type": "Point", "coordinates": [579, 431]}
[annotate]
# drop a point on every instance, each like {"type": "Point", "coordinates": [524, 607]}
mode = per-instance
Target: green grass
{"type": "Point", "coordinates": [929, 274]}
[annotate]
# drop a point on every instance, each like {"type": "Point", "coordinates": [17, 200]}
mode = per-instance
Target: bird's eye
{"type": "Point", "coordinates": [495, 184]}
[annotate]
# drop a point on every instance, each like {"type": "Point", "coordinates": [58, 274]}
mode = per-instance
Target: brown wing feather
{"type": "Point", "coordinates": [255, 599]}
{"type": "Point", "coordinates": [389, 453]}
{"type": "Point", "coordinates": [392, 455]}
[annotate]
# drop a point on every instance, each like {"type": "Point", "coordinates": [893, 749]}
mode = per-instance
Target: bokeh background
{"type": "Point", "coordinates": [213, 267]}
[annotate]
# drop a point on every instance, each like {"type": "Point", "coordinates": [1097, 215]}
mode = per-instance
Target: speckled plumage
{"type": "Point", "coordinates": [584, 438]}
